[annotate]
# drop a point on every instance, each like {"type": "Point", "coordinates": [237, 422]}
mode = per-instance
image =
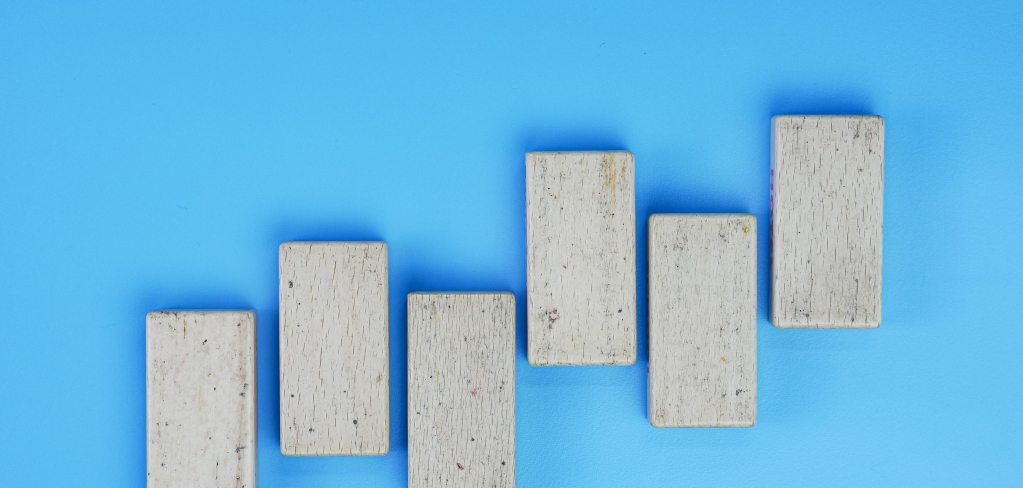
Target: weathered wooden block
{"type": "Point", "coordinates": [461, 389]}
{"type": "Point", "coordinates": [827, 203]}
{"type": "Point", "coordinates": [581, 258]}
{"type": "Point", "coordinates": [703, 320]}
{"type": "Point", "coordinates": [334, 349]}
{"type": "Point", "coordinates": [201, 399]}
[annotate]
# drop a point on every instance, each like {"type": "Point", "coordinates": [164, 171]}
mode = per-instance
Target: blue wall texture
{"type": "Point", "coordinates": [154, 154]}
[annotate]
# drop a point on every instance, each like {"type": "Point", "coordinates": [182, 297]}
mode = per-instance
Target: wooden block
{"type": "Point", "coordinates": [581, 263]}
{"type": "Point", "coordinates": [703, 320]}
{"type": "Point", "coordinates": [461, 389]}
{"type": "Point", "coordinates": [827, 203]}
{"type": "Point", "coordinates": [201, 399]}
{"type": "Point", "coordinates": [334, 349]}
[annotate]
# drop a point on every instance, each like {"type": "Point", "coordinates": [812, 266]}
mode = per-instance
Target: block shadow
{"type": "Point", "coordinates": [817, 102]}
{"type": "Point", "coordinates": [574, 138]}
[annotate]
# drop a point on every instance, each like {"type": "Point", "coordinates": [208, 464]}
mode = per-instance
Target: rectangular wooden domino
{"type": "Point", "coordinates": [201, 399]}
{"type": "Point", "coordinates": [461, 389]}
{"type": "Point", "coordinates": [827, 206]}
{"type": "Point", "coordinates": [334, 360]}
{"type": "Point", "coordinates": [581, 258]}
{"type": "Point", "coordinates": [703, 320]}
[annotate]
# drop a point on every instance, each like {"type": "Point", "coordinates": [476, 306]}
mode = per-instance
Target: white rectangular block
{"type": "Point", "coordinates": [827, 215]}
{"type": "Point", "coordinates": [703, 320]}
{"type": "Point", "coordinates": [201, 399]}
{"type": "Point", "coordinates": [461, 389]}
{"type": "Point", "coordinates": [581, 258]}
{"type": "Point", "coordinates": [335, 380]}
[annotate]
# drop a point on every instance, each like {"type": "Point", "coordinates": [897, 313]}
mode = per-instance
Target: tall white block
{"type": "Point", "coordinates": [461, 389]}
{"type": "Point", "coordinates": [334, 349]}
{"type": "Point", "coordinates": [581, 258]}
{"type": "Point", "coordinates": [827, 215]}
{"type": "Point", "coordinates": [201, 399]}
{"type": "Point", "coordinates": [703, 320]}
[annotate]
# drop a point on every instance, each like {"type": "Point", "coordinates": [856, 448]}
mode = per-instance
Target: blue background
{"type": "Point", "coordinates": [154, 156]}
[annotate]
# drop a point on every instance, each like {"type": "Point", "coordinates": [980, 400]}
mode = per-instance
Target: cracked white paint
{"type": "Point", "coordinates": [201, 399]}
{"type": "Point", "coordinates": [703, 320]}
{"type": "Point", "coordinates": [581, 258]}
{"type": "Point", "coordinates": [827, 216]}
{"type": "Point", "coordinates": [334, 368]}
{"type": "Point", "coordinates": [461, 390]}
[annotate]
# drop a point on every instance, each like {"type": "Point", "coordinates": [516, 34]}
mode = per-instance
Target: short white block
{"type": "Point", "coordinates": [201, 399]}
{"type": "Point", "coordinates": [461, 389]}
{"type": "Point", "coordinates": [703, 320]}
{"type": "Point", "coordinates": [827, 206]}
{"type": "Point", "coordinates": [334, 349]}
{"type": "Point", "coordinates": [581, 258]}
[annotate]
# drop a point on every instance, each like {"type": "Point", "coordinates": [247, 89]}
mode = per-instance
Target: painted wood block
{"type": "Point", "coordinates": [581, 258]}
{"type": "Point", "coordinates": [201, 399]}
{"type": "Point", "coordinates": [827, 204]}
{"type": "Point", "coordinates": [461, 389]}
{"type": "Point", "coordinates": [335, 380]}
{"type": "Point", "coordinates": [703, 320]}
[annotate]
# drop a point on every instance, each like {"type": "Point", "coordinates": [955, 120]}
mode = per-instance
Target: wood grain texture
{"type": "Point", "coordinates": [827, 208]}
{"type": "Point", "coordinates": [581, 258]}
{"type": "Point", "coordinates": [703, 320]}
{"type": "Point", "coordinates": [201, 399]}
{"type": "Point", "coordinates": [461, 390]}
{"type": "Point", "coordinates": [334, 360]}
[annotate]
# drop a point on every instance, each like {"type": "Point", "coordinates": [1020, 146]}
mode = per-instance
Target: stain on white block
{"type": "Point", "coordinates": [201, 399]}
{"type": "Point", "coordinates": [581, 258]}
{"type": "Point", "coordinates": [334, 349]}
{"type": "Point", "coordinates": [827, 201]}
{"type": "Point", "coordinates": [461, 389]}
{"type": "Point", "coordinates": [703, 320]}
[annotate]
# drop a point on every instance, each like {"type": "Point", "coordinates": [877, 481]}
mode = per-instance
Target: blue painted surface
{"type": "Point", "coordinates": [154, 156]}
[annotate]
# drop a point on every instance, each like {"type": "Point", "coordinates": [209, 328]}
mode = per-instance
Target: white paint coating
{"type": "Point", "coordinates": [334, 349]}
{"type": "Point", "coordinates": [201, 399]}
{"type": "Point", "coordinates": [827, 211]}
{"type": "Point", "coordinates": [581, 258]}
{"type": "Point", "coordinates": [703, 320]}
{"type": "Point", "coordinates": [461, 390]}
